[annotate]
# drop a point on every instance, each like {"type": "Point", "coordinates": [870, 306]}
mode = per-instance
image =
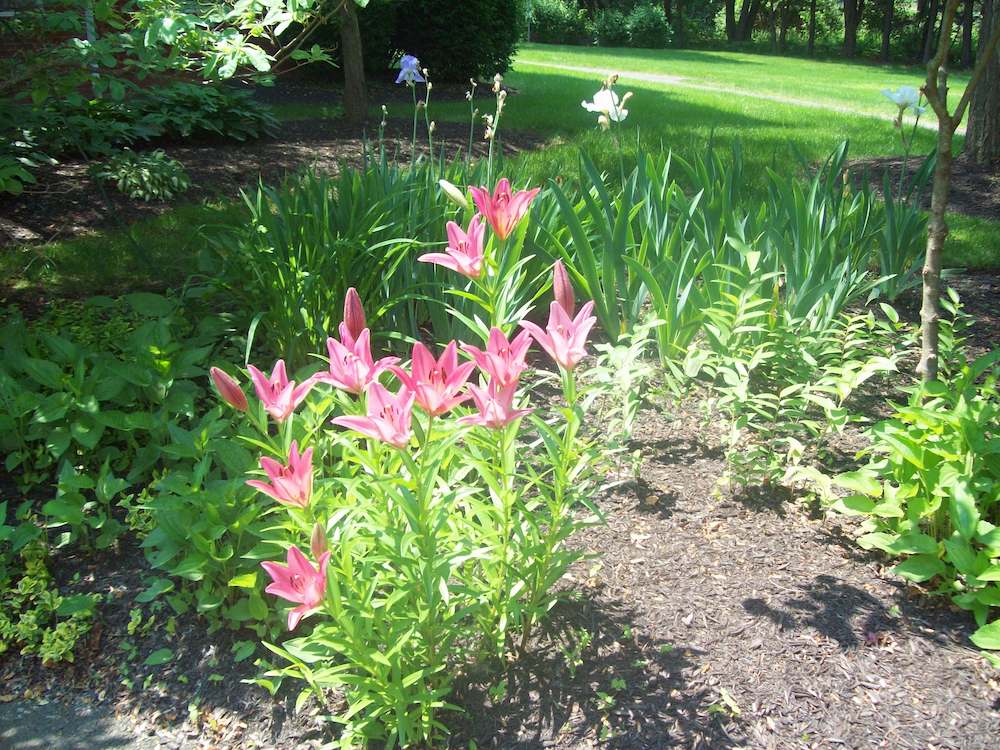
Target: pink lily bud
{"type": "Point", "coordinates": [229, 389]}
{"type": "Point", "coordinates": [317, 543]}
{"type": "Point", "coordinates": [354, 313]}
{"type": "Point", "coordinates": [562, 288]}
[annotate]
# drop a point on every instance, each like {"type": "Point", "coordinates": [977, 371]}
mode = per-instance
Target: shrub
{"type": "Point", "coordinates": [611, 28]}
{"type": "Point", "coordinates": [648, 27]}
{"type": "Point", "coordinates": [456, 41]}
{"type": "Point", "coordinates": [185, 110]}
{"type": "Point", "coordinates": [560, 22]}
{"type": "Point", "coordinates": [144, 176]}
{"type": "Point", "coordinates": [929, 493]}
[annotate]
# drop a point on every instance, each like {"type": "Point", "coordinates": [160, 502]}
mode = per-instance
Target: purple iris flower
{"type": "Point", "coordinates": [409, 70]}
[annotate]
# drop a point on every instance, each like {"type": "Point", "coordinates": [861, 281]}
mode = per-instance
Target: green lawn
{"type": "Point", "coordinates": [546, 100]}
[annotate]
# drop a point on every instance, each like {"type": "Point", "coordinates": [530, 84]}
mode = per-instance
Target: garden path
{"type": "Point", "coordinates": [689, 83]}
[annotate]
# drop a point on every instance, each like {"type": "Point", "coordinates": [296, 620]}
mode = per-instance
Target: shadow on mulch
{"type": "Point", "coordinates": [975, 189]}
{"type": "Point", "coordinates": [619, 690]}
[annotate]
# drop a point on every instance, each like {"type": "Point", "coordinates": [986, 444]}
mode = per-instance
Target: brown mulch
{"type": "Point", "coordinates": [975, 189]}
{"type": "Point", "coordinates": [740, 620]}
{"type": "Point", "coordinates": [67, 202]}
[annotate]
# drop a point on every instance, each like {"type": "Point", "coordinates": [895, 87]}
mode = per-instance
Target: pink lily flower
{"type": "Point", "coordinates": [436, 383]}
{"type": "Point", "coordinates": [229, 389]}
{"type": "Point", "coordinates": [504, 209]}
{"type": "Point", "coordinates": [503, 360]}
{"type": "Point", "coordinates": [351, 366]}
{"type": "Point", "coordinates": [354, 318]}
{"type": "Point", "coordinates": [564, 339]}
{"type": "Point", "coordinates": [388, 417]}
{"type": "Point", "coordinates": [298, 582]}
{"type": "Point", "coordinates": [495, 404]}
{"type": "Point", "coordinates": [562, 288]}
{"type": "Point", "coordinates": [292, 484]}
{"type": "Point", "coordinates": [464, 253]}
{"type": "Point", "coordinates": [279, 395]}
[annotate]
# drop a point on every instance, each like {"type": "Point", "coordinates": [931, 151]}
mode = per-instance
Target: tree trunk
{"type": "Point", "coordinates": [668, 11]}
{"type": "Point", "coordinates": [937, 231]}
{"type": "Point", "coordinates": [890, 6]}
{"type": "Point", "coordinates": [967, 21]}
{"type": "Point", "coordinates": [812, 27]}
{"type": "Point", "coordinates": [786, 19]}
{"type": "Point", "coordinates": [982, 137]}
{"type": "Point", "coordinates": [772, 23]}
{"type": "Point", "coordinates": [678, 24]}
{"type": "Point", "coordinates": [731, 20]}
{"type": "Point", "coordinates": [740, 30]}
{"type": "Point", "coordinates": [850, 27]}
{"type": "Point", "coordinates": [929, 26]}
{"type": "Point", "coordinates": [355, 93]}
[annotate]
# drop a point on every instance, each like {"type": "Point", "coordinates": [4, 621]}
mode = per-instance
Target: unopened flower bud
{"type": "Point", "coordinates": [432, 127]}
{"type": "Point", "coordinates": [420, 103]}
{"type": "Point", "coordinates": [354, 313]}
{"type": "Point", "coordinates": [628, 95]}
{"type": "Point", "coordinates": [430, 85]}
{"type": "Point", "coordinates": [562, 288]}
{"type": "Point", "coordinates": [497, 83]}
{"type": "Point", "coordinates": [488, 135]}
{"type": "Point", "coordinates": [229, 389]}
{"type": "Point", "coordinates": [317, 543]}
{"type": "Point", "coordinates": [426, 72]}
{"type": "Point", "coordinates": [455, 195]}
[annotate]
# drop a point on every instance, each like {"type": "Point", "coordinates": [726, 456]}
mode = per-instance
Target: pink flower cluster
{"type": "Point", "coordinates": [503, 211]}
{"type": "Point", "coordinates": [434, 384]}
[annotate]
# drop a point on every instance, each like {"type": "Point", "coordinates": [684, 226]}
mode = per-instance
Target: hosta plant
{"type": "Point", "coordinates": [145, 176]}
{"type": "Point", "coordinates": [930, 492]}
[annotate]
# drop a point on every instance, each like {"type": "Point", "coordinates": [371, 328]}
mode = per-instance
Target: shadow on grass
{"type": "Point", "coordinates": [591, 679]}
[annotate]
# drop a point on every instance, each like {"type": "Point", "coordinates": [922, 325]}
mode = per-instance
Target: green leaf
{"type": "Point", "coordinates": [920, 568]}
{"type": "Point", "coordinates": [988, 636]}
{"type": "Point", "coordinates": [245, 581]}
{"type": "Point", "coordinates": [156, 588]}
{"type": "Point", "coordinates": [160, 656]}
{"type": "Point", "coordinates": [73, 605]}
{"type": "Point", "coordinates": [863, 482]}
{"type": "Point", "coordinates": [992, 573]}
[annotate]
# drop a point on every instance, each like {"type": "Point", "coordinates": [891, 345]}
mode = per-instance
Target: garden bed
{"type": "Point", "coordinates": [67, 202]}
{"type": "Point", "coordinates": [700, 621]}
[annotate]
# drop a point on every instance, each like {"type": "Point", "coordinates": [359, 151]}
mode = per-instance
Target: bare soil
{"type": "Point", "coordinates": [975, 189]}
{"type": "Point", "coordinates": [699, 620]}
{"type": "Point", "coordinates": [68, 202]}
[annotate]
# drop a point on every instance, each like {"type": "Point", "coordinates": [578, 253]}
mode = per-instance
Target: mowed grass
{"type": "Point", "coordinates": [856, 86]}
{"type": "Point", "coordinates": [774, 135]}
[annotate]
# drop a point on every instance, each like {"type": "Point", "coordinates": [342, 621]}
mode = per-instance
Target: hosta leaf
{"type": "Point", "coordinates": [160, 656]}
{"type": "Point", "coordinates": [920, 568]}
{"type": "Point", "coordinates": [863, 482]}
{"type": "Point", "coordinates": [988, 636]}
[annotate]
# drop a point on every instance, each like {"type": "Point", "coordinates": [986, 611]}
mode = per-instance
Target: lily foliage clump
{"type": "Point", "coordinates": [421, 509]}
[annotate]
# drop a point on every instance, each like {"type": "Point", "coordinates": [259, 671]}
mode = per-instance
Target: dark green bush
{"type": "Point", "coordinates": [457, 41]}
{"type": "Point", "coordinates": [560, 22]}
{"type": "Point", "coordinates": [648, 27]}
{"type": "Point", "coordinates": [611, 28]}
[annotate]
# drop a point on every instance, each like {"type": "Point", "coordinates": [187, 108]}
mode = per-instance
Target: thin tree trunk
{"type": "Point", "coordinates": [812, 27]}
{"type": "Point", "coordinates": [355, 93]}
{"type": "Point", "coordinates": [678, 24]}
{"type": "Point", "coordinates": [967, 21]}
{"type": "Point", "coordinates": [936, 90]}
{"type": "Point", "coordinates": [929, 27]}
{"type": "Point", "coordinates": [850, 27]}
{"type": "Point", "coordinates": [982, 137]}
{"type": "Point", "coordinates": [786, 18]}
{"type": "Point", "coordinates": [772, 19]}
{"type": "Point", "coordinates": [890, 6]}
{"type": "Point", "coordinates": [731, 20]}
